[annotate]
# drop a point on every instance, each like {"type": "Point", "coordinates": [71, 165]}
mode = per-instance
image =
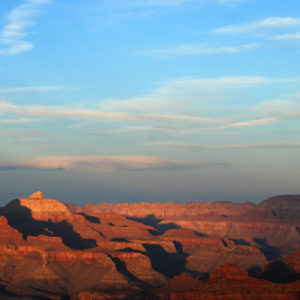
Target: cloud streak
{"type": "Point", "coordinates": [93, 114]}
{"type": "Point", "coordinates": [195, 50]}
{"type": "Point", "coordinates": [267, 23]}
{"type": "Point", "coordinates": [30, 89]}
{"type": "Point", "coordinates": [19, 21]}
{"type": "Point", "coordinates": [189, 146]}
{"type": "Point", "coordinates": [172, 94]}
{"type": "Point", "coordinates": [251, 123]}
{"type": "Point", "coordinates": [173, 106]}
{"type": "Point", "coordinates": [20, 120]}
{"type": "Point", "coordinates": [288, 36]}
{"type": "Point", "coordinates": [103, 163]}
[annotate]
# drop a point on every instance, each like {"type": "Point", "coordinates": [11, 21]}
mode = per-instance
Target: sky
{"type": "Point", "coordinates": [149, 100]}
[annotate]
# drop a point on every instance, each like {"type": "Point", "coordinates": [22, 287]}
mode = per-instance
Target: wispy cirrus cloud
{"type": "Point", "coordinates": [229, 82]}
{"type": "Point", "coordinates": [136, 129]}
{"type": "Point", "coordinates": [103, 163]}
{"type": "Point", "coordinates": [184, 88]}
{"type": "Point", "coordinates": [250, 123]}
{"type": "Point", "coordinates": [288, 36]}
{"type": "Point", "coordinates": [195, 50]}
{"type": "Point", "coordinates": [25, 89]}
{"type": "Point", "coordinates": [186, 130]}
{"type": "Point", "coordinates": [190, 146]}
{"type": "Point", "coordinates": [267, 23]}
{"type": "Point", "coordinates": [174, 105]}
{"type": "Point", "coordinates": [20, 120]}
{"type": "Point", "coordinates": [280, 108]}
{"type": "Point", "coordinates": [19, 21]}
{"type": "Point", "coordinates": [94, 114]}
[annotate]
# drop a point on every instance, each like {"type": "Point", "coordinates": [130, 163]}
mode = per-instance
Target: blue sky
{"type": "Point", "coordinates": [149, 100]}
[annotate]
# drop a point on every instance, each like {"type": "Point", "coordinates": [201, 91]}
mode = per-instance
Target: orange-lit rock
{"type": "Point", "coordinates": [140, 250]}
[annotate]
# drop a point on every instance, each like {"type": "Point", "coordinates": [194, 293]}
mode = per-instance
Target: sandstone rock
{"type": "Point", "coordinates": [182, 282]}
{"type": "Point", "coordinates": [139, 265]}
{"type": "Point", "coordinates": [229, 282]}
{"type": "Point", "coordinates": [37, 207]}
{"type": "Point", "coordinates": [229, 271]}
{"type": "Point", "coordinates": [113, 251]}
{"type": "Point", "coordinates": [37, 195]}
{"type": "Point", "coordinates": [286, 207]}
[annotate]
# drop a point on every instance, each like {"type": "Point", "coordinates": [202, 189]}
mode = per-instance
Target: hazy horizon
{"type": "Point", "coordinates": [129, 101]}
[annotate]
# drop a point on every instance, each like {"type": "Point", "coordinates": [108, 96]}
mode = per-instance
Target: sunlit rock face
{"type": "Point", "coordinates": [164, 251]}
{"type": "Point", "coordinates": [37, 195]}
{"type": "Point", "coordinates": [44, 209]}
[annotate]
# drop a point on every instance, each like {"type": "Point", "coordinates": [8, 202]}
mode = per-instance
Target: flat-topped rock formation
{"type": "Point", "coordinates": [39, 207]}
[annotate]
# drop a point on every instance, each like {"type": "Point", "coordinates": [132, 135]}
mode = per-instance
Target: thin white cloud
{"type": "Point", "coordinates": [241, 124]}
{"type": "Point", "coordinates": [195, 50]}
{"type": "Point", "coordinates": [173, 102]}
{"type": "Point", "coordinates": [190, 146]}
{"type": "Point", "coordinates": [19, 21]}
{"type": "Point", "coordinates": [103, 163]}
{"type": "Point", "coordinates": [176, 95]}
{"type": "Point", "coordinates": [251, 123]}
{"type": "Point", "coordinates": [30, 89]}
{"type": "Point", "coordinates": [186, 130]}
{"type": "Point", "coordinates": [93, 114]}
{"type": "Point", "coordinates": [229, 82]}
{"type": "Point", "coordinates": [135, 129]}
{"type": "Point", "coordinates": [268, 23]}
{"type": "Point", "coordinates": [284, 109]}
{"type": "Point", "coordinates": [289, 36]}
{"type": "Point", "coordinates": [20, 120]}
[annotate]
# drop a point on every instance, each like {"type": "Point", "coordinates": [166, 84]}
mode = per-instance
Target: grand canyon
{"type": "Point", "coordinates": [150, 150]}
{"type": "Point", "coordinates": [219, 250]}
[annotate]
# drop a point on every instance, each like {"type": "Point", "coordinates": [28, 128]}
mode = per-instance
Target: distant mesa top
{"type": "Point", "coordinates": [37, 195]}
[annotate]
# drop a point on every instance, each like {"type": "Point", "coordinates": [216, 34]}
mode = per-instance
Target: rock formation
{"type": "Point", "coordinates": [50, 250]}
{"type": "Point", "coordinates": [230, 282]}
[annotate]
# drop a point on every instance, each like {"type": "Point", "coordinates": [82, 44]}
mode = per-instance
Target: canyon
{"type": "Point", "coordinates": [203, 250]}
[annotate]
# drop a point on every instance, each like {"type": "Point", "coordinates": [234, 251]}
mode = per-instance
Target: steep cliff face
{"type": "Point", "coordinates": [171, 209]}
{"type": "Point", "coordinates": [273, 224]}
{"type": "Point", "coordinates": [55, 251]}
{"type": "Point", "coordinates": [38, 207]}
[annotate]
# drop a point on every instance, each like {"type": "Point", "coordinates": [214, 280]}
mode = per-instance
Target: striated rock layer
{"type": "Point", "coordinates": [49, 250]}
